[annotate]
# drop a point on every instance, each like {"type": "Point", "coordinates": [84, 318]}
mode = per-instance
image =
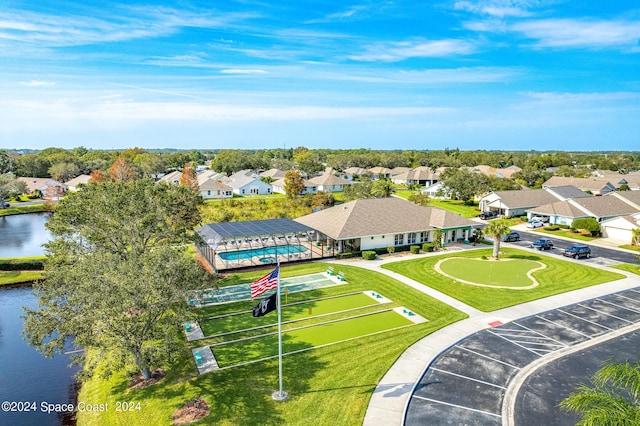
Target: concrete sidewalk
{"type": "Point", "coordinates": [390, 397]}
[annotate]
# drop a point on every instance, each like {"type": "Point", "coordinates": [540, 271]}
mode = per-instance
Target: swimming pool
{"type": "Point", "coordinates": [262, 252]}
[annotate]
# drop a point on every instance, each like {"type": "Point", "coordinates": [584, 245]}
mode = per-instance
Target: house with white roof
{"type": "Point", "coordinates": [73, 184]}
{"type": "Point", "coordinates": [279, 187]}
{"type": "Point", "coordinates": [328, 182]}
{"type": "Point", "coordinates": [247, 182]}
{"type": "Point", "coordinates": [422, 175]}
{"type": "Point", "coordinates": [211, 188]}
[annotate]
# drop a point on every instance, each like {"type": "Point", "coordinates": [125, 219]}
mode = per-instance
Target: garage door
{"type": "Point", "coordinates": [617, 233]}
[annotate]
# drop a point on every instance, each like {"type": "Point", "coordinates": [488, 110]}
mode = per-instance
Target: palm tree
{"type": "Point", "coordinates": [635, 238]}
{"type": "Point", "coordinates": [497, 229]}
{"type": "Point", "coordinates": [613, 400]}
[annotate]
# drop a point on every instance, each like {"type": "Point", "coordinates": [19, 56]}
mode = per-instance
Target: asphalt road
{"type": "Point", "coordinates": [599, 255]}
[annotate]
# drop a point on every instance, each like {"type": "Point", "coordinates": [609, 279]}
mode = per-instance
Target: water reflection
{"type": "Point", "coordinates": [23, 235]}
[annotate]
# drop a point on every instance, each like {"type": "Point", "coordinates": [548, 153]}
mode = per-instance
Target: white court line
{"type": "Point", "coordinates": [628, 298]}
{"type": "Point", "coordinates": [618, 305]}
{"type": "Point", "coordinates": [510, 341]}
{"type": "Point", "coordinates": [456, 405]}
{"type": "Point", "coordinates": [541, 334]}
{"type": "Point", "coordinates": [467, 377]}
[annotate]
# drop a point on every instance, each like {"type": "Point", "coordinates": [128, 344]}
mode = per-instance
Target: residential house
{"type": "Point", "coordinates": [493, 171]}
{"type": "Point", "coordinates": [632, 180]}
{"type": "Point", "coordinates": [173, 177]}
{"type": "Point", "coordinates": [599, 208]}
{"type": "Point", "coordinates": [73, 184]}
{"type": "Point", "coordinates": [621, 228]}
{"type": "Point", "coordinates": [329, 183]}
{"type": "Point", "coordinates": [247, 182]}
{"type": "Point", "coordinates": [592, 185]}
{"type": "Point", "coordinates": [274, 174]}
{"type": "Point", "coordinates": [518, 202]}
{"type": "Point", "coordinates": [422, 175]}
{"type": "Point", "coordinates": [210, 188]}
{"type": "Point", "coordinates": [380, 173]}
{"type": "Point", "coordinates": [382, 222]}
{"type": "Point", "coordinates": [352, 173]}
{"type": "Point", "coordinates": [49, 188]}
{"type": "Point", "coordinates": [433, 190]}
{"type": "Point", "coordinates": [278, 187]}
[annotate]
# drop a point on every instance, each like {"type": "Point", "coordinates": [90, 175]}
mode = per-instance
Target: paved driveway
{"type": "Point", "coordinates": [466, 383]}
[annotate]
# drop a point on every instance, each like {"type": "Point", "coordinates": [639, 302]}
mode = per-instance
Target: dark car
{"type": "Point", "coordinates": [577, 251]}
{"type": "Point", "coordinates": [4, 204]}
{"type": "Point", "coordinates": [488, 215]}
{"type": "Point", "coordinates": [511, 236]}
{"type": "Point", "coordinates": [542, 244]}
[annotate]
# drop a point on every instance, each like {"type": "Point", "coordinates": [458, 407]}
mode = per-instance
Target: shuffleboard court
{"type": "Point", "coordinates": [240, 292]}
{"type": "Point", "coordinates": [292, 312]}
{"type": "Point", "coordinates": [250, 350]}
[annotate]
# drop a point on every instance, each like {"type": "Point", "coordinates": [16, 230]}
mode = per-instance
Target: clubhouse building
{"type": "Point", "coordinates": [350, 227]}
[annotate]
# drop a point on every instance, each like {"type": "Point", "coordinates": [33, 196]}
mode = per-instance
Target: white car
{"type": "Point", "coordinates": [535, 224]}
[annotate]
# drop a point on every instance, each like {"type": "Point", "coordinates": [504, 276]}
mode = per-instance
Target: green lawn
{"type": "Point", "coordinates": [230, 354]}
{"type": "Point", "coordinates": [630, 247]}
{"type": "Point", "coordinates": [634, 269]}
{"type": "Point", "coordinates": [18, 209]}
{"type": "Point", "coordinates": [331, 385]}
{"type": "Point", "coordinates": [454, 206]}
{"type": "Point", "coordinates": [506, 273]}
{"type": "Point", "coordinates": [558, 277]}
{"type": "Point", "coordinates": [19, 277]}
{"type": "Point", "coordinates": [567, 234]}
{"type": "Point", "coordinates": [289, 312]}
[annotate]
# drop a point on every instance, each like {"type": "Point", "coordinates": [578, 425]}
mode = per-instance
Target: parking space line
{"type": "Point", "coordinates": [565, 327]}
{"type": "Point", "coordinates": [457, 406]}
{"type": "Point", "coordinates": [467, 377]}
{"type": "Point", "coordinates": [585, 320]}
{"type": "Point", "coordinates": [620, 306]}
{"type": "Point", "coordinates": [635, 291]}
{"type": "Point", "coordinates": [541, 334]}
{"type": "Point", "coordinates": [511, 341]}
{"type": "Point", "coordinates": [604, 313]}
{"type": "Point", "coordinates": [534, 344]}
{"type": "Point", "coordinates": [488, 357]}
{"type": "Point", "coordinates": [627, 297]}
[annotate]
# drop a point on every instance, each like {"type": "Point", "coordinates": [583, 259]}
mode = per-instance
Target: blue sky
{"type": "Point", "coordinates": [488, 74]}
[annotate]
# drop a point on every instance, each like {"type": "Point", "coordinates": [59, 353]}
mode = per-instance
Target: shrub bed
{"type": "Point", "coordinates": [414, 249]}
{"type": "Point", "coordinates": [21, 264]}
{"type": "Point", "coordinates": [369, 255]}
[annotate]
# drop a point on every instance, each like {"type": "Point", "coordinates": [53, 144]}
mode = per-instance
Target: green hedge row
{"type": "Point", "coordinates": [22, 265]}
{"type": "Point", "coordinates": [369, 255]}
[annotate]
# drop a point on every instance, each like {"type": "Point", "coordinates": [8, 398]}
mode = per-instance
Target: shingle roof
{"type": "Point", "coordinates": [606, 206]}
{"type": "Point", "coordinates": [380, 216]}
{"type": "Point", "coordinates": [521, 199]}
{"type": "Point", "coordinates": [592, 184]}
{"type": "Point", "coordinates": [328, 179]}
{"type": "Point", "coordinates": [569, 191]}
{"type": "Point", "coordinates": [274, 173]}
{"type": "Point", "coordinates": [632, 197]}
{"type": "Point", "coordinates": [356, 171]}
{"type": "Point", "coordinates": [560, 208]}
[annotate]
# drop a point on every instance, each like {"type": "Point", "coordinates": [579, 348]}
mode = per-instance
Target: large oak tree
{"type": "Point", "coordinates": [116, 274]}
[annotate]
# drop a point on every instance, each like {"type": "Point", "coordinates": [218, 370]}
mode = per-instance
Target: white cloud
{"type": "Point", "coordinates": [399, 51]}
{"type": "Point", "coordinates": [37, 83]}
{"type": "Point", "coordinates": [242, 71]}
{"type": "Point", "coordinates": [585, 33]}
{"type": "Point", "coordinates": [497, 8]}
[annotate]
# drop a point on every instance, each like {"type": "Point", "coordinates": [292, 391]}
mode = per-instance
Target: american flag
{"type": "Point", "coordinates": [266, 283]}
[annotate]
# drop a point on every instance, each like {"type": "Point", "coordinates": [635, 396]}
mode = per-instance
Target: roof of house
{"type": "Point", "coordinates": [280, 182]}
{"type": "Point", "coordinates": [591, 206]}
{"type": "Point", "coordinates": [521, 199]}
{"type": "Point", "coordinates": [493, 171]}
{"type": "Point", "coordinates": [568, 191]}
{"type": "Point", "coordinates": [211, 174]}
{"type": "Point", "coordinates": [38, 183]}
{"type": "Point", "coordinates": [633, 220]}
{"type": "Point", "coordinates": [328, 179]}
{"type": "Point", "coordinates": [238, 180]}
{"type": "Point", "coordinates": [82, 179]}
{"type": "Point", "coordinates": [632, 197]}
{"type": "Point", "coordinates": [398, 170]}
{"type": "Point", "coordinates": [380, 216]}
{"type": "Point", "coordinates": [210, 184]}
{"type": "Point", "coordinates": [273, 173]}
{"type": "Point", "coordinates": [591, 184]}
{"type": "Point", "coordinates": [171, 177]}
{"type": "Point", "coordinates": [419, 173]}
{"type": "Point", "coordinates": [380, 170]}
{"type": "Point", "coordinates": [356, 171]}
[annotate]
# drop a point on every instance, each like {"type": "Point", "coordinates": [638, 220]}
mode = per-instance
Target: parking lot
{"type": "Point", "coordinates": [466, 383]}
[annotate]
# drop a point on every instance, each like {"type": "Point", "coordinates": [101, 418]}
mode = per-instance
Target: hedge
{"type": "Point", "coordinates": [368, 255]}
{"type": "Point", "coordinates": [414, 249]}
{"type": "Point", "coordinates": [21, 265]}
{"type": "Point", "coordinates": [428, 247]}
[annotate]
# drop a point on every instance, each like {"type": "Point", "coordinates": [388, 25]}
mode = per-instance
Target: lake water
{"type": "Point", "coordinates": [23, 234]}
{"type": "Point", "coordinates": [25, 374]}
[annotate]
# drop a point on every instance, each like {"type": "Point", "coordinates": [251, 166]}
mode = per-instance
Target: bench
{"type": "Point", "coordinates": [330, 270]}
{"type": "Point", "coordinates": [340, 276]}
{"type": "Point", "coordinates": [187, 327]}
{"type": "Point", "coordinates": [198, 357]}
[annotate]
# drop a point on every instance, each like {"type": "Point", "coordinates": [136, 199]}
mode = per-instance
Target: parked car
{"type": "Point", "coordinates": [511, 236]}
{"type": "Point", "coordinates": [577, 251]}
{"type": "Point", "coordinates": [488, 215]}
{"type": "Point", "coordinates": [542, 219]}
{"type": "Point", "coordinates": [4, 204]}
{"type": "Point", "coordinates": [535, 224]}
{"type": "Point", "coordinates": [542, 244]}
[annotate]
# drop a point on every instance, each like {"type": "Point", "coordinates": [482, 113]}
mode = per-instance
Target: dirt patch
{"type": "Point", "coordinates": [190, 412]}
{"type": "Point", "coordinates": [139, 382]}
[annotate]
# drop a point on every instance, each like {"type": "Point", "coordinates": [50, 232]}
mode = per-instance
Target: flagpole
{"type": "Point", "coordinates": [280, 395]}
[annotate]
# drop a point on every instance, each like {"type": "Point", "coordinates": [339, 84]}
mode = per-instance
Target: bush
{"type": "Point", "coordinates": [345, 255]}
{"type": "Point", "coordinates": [428, 247]}
{"type": "Point", "coordinates": [483, 257]}
{"type": "Point", "coordinates": [589, 224]}
{"type": "Point", "coordinates": [562, 226]}
{"type": "Point", "coordinates": [469, 203]}
{"type": "Point", "coordinates": [574, 230]}
{"type": "Point", "coordinates": [551, 228]}
{"type": "Point", "coordinates": [414, 249]}
{"type": "Point", "coordinates": [369, 255]}
{"type": "Point", "coordinates": [523, 218]}
{"type": "Point", "coordinates": [391, 249]}
{"type": "Point", "coordinates": [22, 265]}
